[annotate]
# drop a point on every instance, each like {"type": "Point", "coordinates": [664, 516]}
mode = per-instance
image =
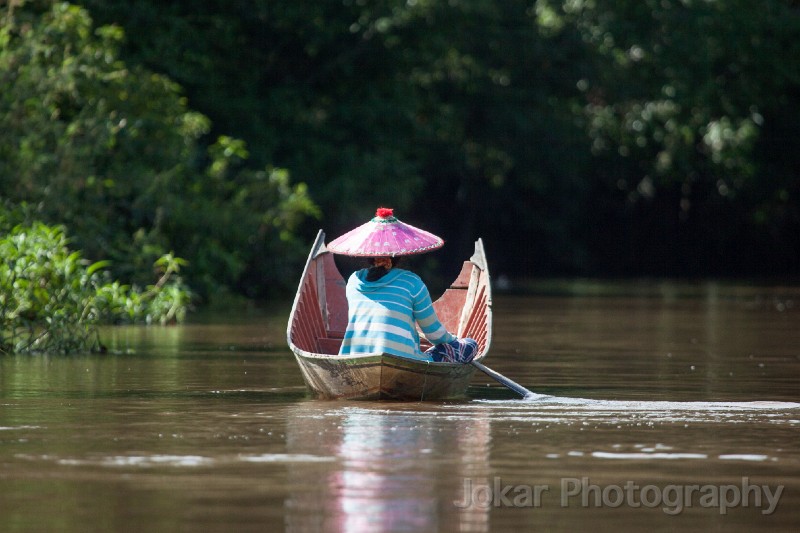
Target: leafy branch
{"type": "Point", "coordinates": [52, 300]}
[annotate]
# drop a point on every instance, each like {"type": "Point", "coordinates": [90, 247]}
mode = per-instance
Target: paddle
{"type": "Point", "coordinates": [500, 378]}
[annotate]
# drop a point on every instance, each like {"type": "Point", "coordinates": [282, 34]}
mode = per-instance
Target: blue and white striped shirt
{"type": "Point", "coordinates": [382, 313]}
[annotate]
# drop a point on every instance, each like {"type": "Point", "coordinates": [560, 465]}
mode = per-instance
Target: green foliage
{"type": "Point", "coordinates": [682, 86]}
{"type": "Point", "coordinates": [84, 135]}
{"type": "Point", "coordinates": [619, 137]}
{"type": "Point", "coordinates": [114, 153]}
{"type": "Point", "coordinates": [445, 110]}
{"type": "Point", "coordinates": [51, 299]}
{"type": "Point", "coordinates": [679, 100]}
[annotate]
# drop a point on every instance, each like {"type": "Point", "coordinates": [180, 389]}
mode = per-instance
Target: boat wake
{"type": "Point", "coordinates": [556, 409]}
{"type": "Point", "coordinates": [639, 405]}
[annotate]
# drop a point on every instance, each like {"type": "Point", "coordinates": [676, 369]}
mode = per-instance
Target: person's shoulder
{"type": "Point", "coordinates": [408, 275]}
{"type": "Point", "coordinates": [411, 278]}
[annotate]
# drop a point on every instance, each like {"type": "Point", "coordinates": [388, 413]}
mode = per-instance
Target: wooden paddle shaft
{"type": "Point", "coordinates": [500, 378]}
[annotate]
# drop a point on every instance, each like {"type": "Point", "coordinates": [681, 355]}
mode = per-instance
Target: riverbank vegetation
{"type": "Point", "coordinates": [592, 138]}
{"type": "Point", "coordinates": [113, 152]}
{"type": "Point", "coordinates": [577, 137]}
{"type": "Point", "coordinates": [52, 299]}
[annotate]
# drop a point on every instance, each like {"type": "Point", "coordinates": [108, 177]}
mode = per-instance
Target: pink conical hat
{"type": "Point", "coordinates": [383, 236]}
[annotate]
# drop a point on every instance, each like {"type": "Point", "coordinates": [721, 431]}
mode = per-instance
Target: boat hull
{"type": "Point", "coordinates": [384, 377]}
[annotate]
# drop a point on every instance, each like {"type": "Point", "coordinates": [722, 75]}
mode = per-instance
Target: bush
{"type": "Point", "coordinates": [51, 299]}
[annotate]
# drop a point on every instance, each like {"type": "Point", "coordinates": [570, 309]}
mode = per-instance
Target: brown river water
{"type": "Point", "coordinates": [659, 406]}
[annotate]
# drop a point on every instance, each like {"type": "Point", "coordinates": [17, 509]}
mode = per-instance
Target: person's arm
{"type": "Point", "coordinates": [425, 315]}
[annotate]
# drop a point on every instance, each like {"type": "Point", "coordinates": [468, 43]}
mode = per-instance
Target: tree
{"type": "Point", "coordinates": [607, 137]}
{"type": "Point", "coordinates": [113, 152]}
{"type": "Point", "coordinates": [682, 98]}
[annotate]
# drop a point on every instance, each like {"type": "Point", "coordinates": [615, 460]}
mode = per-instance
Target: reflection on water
{"type": "Point", "coordinates": [391, 475]}
{"type": "Point", "coordinates": [406, 467]}
{"type": "Point", "coordinates": [208, 426]}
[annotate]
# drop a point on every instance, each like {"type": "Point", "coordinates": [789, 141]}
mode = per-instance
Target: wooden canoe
{"type": "Point", "coordinates": [319, 318]}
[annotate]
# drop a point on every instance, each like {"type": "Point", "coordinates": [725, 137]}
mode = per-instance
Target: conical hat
{"type": "Point", "coordinates": [384, 236]}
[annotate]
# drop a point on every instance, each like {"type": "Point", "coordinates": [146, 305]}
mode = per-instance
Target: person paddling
{"type": "Point", "coordinates": [387, 303]}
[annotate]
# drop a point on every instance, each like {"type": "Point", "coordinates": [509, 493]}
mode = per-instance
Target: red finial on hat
{"type": "Point", "coordinates": [384, 212]}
